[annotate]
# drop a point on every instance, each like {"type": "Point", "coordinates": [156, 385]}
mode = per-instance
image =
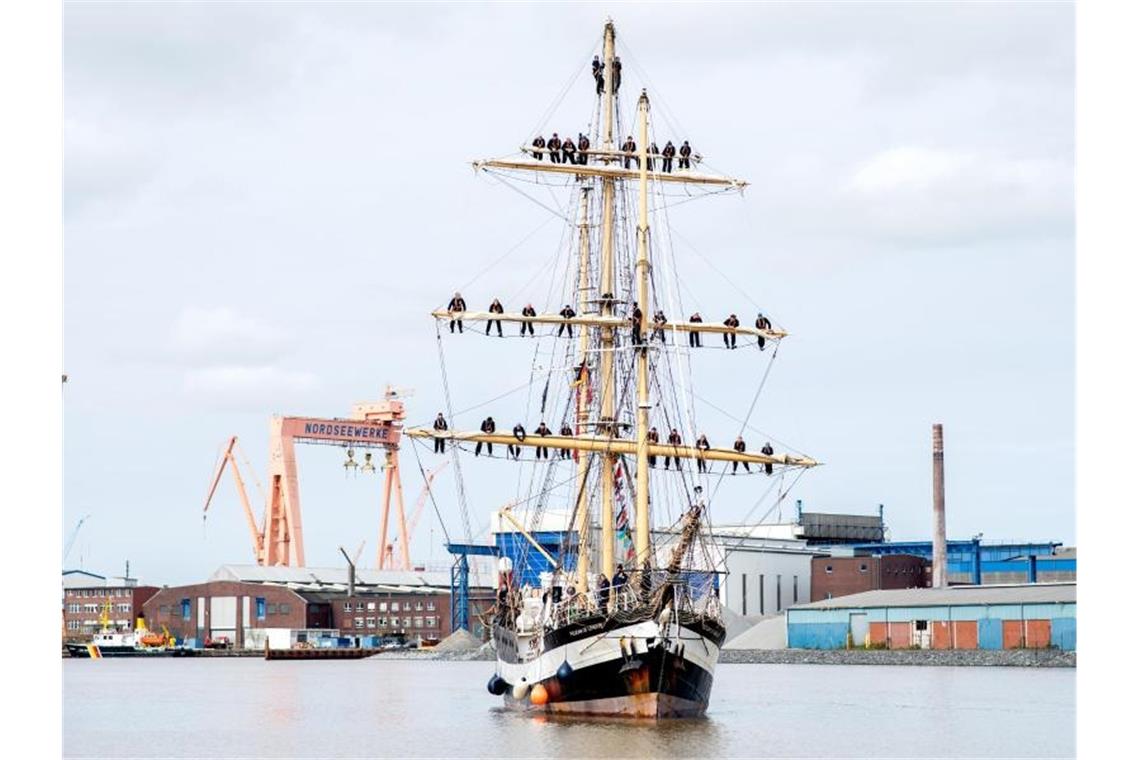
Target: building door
{"type": "Point", "coordinates": [920, 636]}
{"type": "Point", "coordinates": [860, 633]}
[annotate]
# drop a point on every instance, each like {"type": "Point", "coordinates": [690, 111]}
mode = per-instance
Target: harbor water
{"type": "Point", "coordinates": [250, 708]}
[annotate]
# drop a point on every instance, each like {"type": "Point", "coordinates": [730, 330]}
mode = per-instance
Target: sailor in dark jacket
{"type": "Point", "coordinates": [583, 147]}
{"type": "Point", "coordinates": [566, 432]}
{"type": "Point", "coordinates": [567, 313]}
{"type": "Point", "coordinates": [674, 440]}
{"type": "Point", "coordinates": [652, 152]}
{"type": "Point", "coordinates": [487, 427]}
{"type": "Point", "coordinates": [686, 151]}
{"type": "Point", "coordinates": [520, 434]}
{"type": "Point", "coordinates": [667, 157]}
{"type": "Point", "coordinates": [440, 425]}
{"type": "Point", "coordinates": [702, 445]}
{"type": "Point", "coordinates": [527, 327]}
{"type": "Point", "coordinates": [635, 322]}
{"type": "Point", "coordinates": [653, 437]}
{"type": "Point", "coordinates": [617, 73]}
{"type": "Point", "coordinates": [542, 451]}
{"type": "Point", "coordinates": [540, 143]}
{"type": "Point", "coordinates": [495, 308]}
{"type": "Point", "coordinates": [730, 338]}
{"type": "Point", "coordinates": [767, 449]}
{"type": "Point", "coordinates": [694, 336]}
{"type": "Point", "coordinates": [554, 143]}
{"type": "Point", "coordinates": [659, 325]}
{"type": "Point", "coordinates": [456, 304]}
{"type": "Point", "coordinates": [568, 151]}
{"type": "Point", "coordinates": [762, 323]}
{"type": "Point", "coordinates": [738, 446]}
{"type": "Point", "coordinates": [629, 147]}
{"type": "Point", "coordinates": [599, 74]}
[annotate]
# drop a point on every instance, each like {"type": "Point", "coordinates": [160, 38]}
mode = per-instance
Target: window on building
{"type": "Point", "coordinates": [372, 606]}
{"type": "Point", "coordinates": [407, 622]}
{"type": "Point", "coordinates": [383, 606]}
{"type": "Point", "coordinates": [407, 606]}
{"type": "Point", "coordinates": [259, 603]}
{"type": "Point", "coordinates": [419, 606]}
{"type": "Point", "coordinates": [185, 609]}
{"type": "Point", "coordinates": [828, 594]}
{"type": "Point", "coordinates": [360, 606]}
{"type": "Point", "coordinates": [418, 622]}
{"type": "Point", "coordinates": [285, 608]}
{"type": "Point", "coordinates": [778, 602]}
{"type": "Point", "coordinates": [370, 622]}
{"type": "Point", "coordinates": [164, 609]}
{"type": "Point", "coordinates": [383, 622]}
{"type": "Point", "coordinates": [348, 606]}
{"type": "Point", "coordinates": [920, 625]}
{"type": "Point", "coordinates": [827, 569]}
{"type": "Point", "coordinates": [761, 593]}
{"type": "Point", "coordinates": [358, 622]}
{"type": "Point", "coordinates": [124, 608]}
{"type": "Point", "coordinates": [862, 567]}
{"type": "Point", "coordinates": [795, 588]}
{"type": "Point", "coordinates": [430, 621]}
{"type": "Point", "coordinates": [431, 604]}
{"type": "Point", "coordinates": [743, 594]}
{"type": "Point", "coordinates": [271, 609]}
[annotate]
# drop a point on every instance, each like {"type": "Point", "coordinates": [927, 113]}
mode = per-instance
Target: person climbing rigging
{"type": "Point", "coordinates": [527, 327]}
{"type": "Point", "coordinates": [694, 336]}
{"type": "Point", "coordinates": [617, 73]}
{"type": "Point", "coordinates": [456, 304]}
{"type": "Point", "coordinates": [542, 451]}
{"type": "Point", "coordinates": [567, 313]}
{"type": "Point", "coordinates": [767, 449]}
{"type": "Point", "coordinates": [652, 437]}
{"type": "Point", "coordinates": [495, 308]}
{"type": "Point", "coordinates": [762, 323]}
{"type": "Point", "coordinates": [487, 427]}
{"type": "Point", "coordinates": [440, 426]}
{"type": "Point", "coordinates": [738, 446]}
{"type": "Point", "coordinates": [599, 69]}
{"type": "Point", "coordinates": [734, 323]}
{"type": "Point", "coordinates": [685, 151]}
{"type": "Point", "coordinates": [667, 157]}
{"type": "Point", "coordinates": [702, 445]}
{"type": "Point", "coordinates": [674, 440]}
{"type": "Point", "coordinates": [565, 432]}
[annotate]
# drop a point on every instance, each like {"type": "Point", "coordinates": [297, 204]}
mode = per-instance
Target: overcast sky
{"type": "Point", "coordinates": [263, 201]}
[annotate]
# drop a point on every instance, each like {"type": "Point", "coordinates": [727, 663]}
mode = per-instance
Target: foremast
{"type": "Point", "coordinates": [606, 289]}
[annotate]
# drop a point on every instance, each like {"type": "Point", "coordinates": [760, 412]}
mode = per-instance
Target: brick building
{"type": "Point", "coordinates": [86, 596]}
{"type": "Point", "coordinates": [244, 603]}
{"type": "Point", "coordinates": [839, 576]}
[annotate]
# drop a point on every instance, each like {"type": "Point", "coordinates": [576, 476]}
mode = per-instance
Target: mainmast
{"type": "Point", "coordinates": [582, 508]}
{"type": "Point", "coordinates": [606, 289]}
{"type": "Point", "coordinates": [642, 535]}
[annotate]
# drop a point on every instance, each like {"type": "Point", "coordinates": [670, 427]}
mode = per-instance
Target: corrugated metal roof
{"type": "Point", "coordinates": [1027, 593]}
{"type": "Point", "coordinates": [327, 576]}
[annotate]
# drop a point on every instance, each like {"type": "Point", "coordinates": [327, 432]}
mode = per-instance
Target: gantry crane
{"type": "Point", "coordinates": [279, 540]}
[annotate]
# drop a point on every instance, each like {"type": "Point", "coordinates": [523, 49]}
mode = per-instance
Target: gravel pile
{"type": "Point", "coordinates": [770, 632]}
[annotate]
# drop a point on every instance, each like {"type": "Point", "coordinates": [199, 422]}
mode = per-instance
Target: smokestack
{"type": "Point", "coordinates": [939, 567]}
{"type": "Point", "coordinates": [351, 572]}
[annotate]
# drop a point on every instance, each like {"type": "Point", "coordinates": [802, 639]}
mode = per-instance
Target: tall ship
{"type": "Point", "coordinates": [622, 616]}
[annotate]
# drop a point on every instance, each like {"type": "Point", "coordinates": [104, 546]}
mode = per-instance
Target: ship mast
{"type": "Point", "coordinates": [606, 288]}
{"type": "Point", "coordinates": [642, 535]}
{"type": "Point", "coordinates": [582, 508]}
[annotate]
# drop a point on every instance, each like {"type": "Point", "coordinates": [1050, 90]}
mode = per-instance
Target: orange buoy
{"type": "Point", "coordinates": [538, 694]}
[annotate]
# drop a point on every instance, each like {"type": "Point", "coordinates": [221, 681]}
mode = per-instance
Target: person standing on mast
{"type": "Point", "coordinates": [635, 320]}
{"type": "Point", "coordinates": [739, 447]}
{"type": "Point", "coordinates": [495, 308]}
{"type": "Point", "coordinates": [520, 435]}
{"type": "Point", "coordinates": [568, 151]}
{"type": "Point", "coordinates": [554, 143]}
{"type": "Point", "coordinates": [686, 151]}
{"type": "Point", "coordinates": [583, 148]}
{"type": "Point", "coordinates": [667, 157]}
{"type": "Point", "coordinates": [734, 323]}
{"type": "Point", "coordinates": [767, 449]}
{"type": "Point", "coordinates": [487, 427]}
{"type": "Point", "coordinates": [540, 143]}
{"type": "Point", "coordinates": [762, 323]}
{"type": "Point", "coordinates": [629, 147]}
{"type": "Point", "coordinates": [652, 152]}
{"type": "Point", "coordinates": [659, 325]}
{"type": "Point", "coordinates": [440, 426]}
{"type": "Point", "coordinates": [566, 432]}
{"type": "Point", "coordinates": [527, 327]}
{"type": "Point", "coordinates": [702, 446]}
{"type": "Point", "coordinates": [541, 451]}
{"type": "Point", "coordinates": [456, 304]}
{"type": "Point", "coordinates": [694, 336]}
{"type": "Point", "coordinates": [567, 313]}
{"type": "Point", "coordinates": [652, 437]}
{"type": "Point", "coordinates": [674, 440]}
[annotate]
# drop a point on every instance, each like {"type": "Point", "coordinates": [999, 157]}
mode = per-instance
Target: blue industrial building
{"type": "Point", "coordinates": [976, 562]}
{"type": "Point", "coordinates": [1040, 615]}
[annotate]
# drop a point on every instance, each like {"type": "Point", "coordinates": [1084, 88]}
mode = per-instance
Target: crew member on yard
{"type": "Point", "coordinates": [440, 426]}
{"type": "Point", "coordinates": [567, 313]}
{"type": "Point", "coordinates": [738, 445]}
{"type": "Point", "coordinates": [520, 435]}
{"type": "Point", "coordinates": [487, 427]}
{"type": "Point", "coordinates": [762, 323]}
{"type": "Point", "coordinates": [495, 308]}
{"type": "Point", "coordinates": [652, 152]}
{"type": "Point", "coordinates": [542, 451]}
{"type": "Point", "coordinates": [568, 151]}
{"type": "Point", "coordinates": [554, 143]}
{"type": "Point", "coordinates": [667, 157]}
{"type": "Point", "coordinates": [629, 147]}
{"type": "Point", "coordinates": [527, 327]}
{"type": "Point", "coordinates": [694, 336]}
{"type": "Point", "coordinates": [702, 445]}
{"type": "Point", "coordinates": [675, 440]}
{"type": "Point", "coordinates": [659, 325]}
{"type": "Point", "coordinates": [566, 432]}
{"type": "Point", "coordinates": [583, 148]}
{"type": "Point", "coordinates": [456, 304]}
{"type": "Point", "coordinates": [734, 323]}
{"type": "Point", "coordinates": [686, 151]}
{"type": "Point", "coordinates": [767, 449]}
{"type": "Point", "coordinates": [540, 143]}
{"type": "Point", "coordinates": [653, 437]}
{"type": "Point", "coordinates": [635, 321]}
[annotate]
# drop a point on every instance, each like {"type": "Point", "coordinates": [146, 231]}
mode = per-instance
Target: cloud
{"type": "Point", "coordinates": [222, 336]}
{"type": "Point", "coordinates": [248, 388]}
{"type": "Point", "coordinates": [921, 194]}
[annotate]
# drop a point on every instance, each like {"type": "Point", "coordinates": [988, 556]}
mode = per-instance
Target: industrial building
{"type": "Point", "coordinates": [1038, 615]}
{"type": "Point", "coordinates": [87, 596]}
{"type": "Point", "coordinates": [248, 605]}
{"type": "Point", "coordinates": [840, 576]}
{"type": "Point", "coordinates": [976, 562]}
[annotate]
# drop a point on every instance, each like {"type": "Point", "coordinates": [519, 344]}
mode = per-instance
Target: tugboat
{"type": "Point", "coordinates": [613, 625]}
{"type": "Point", "coordinates": [107, 642]}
